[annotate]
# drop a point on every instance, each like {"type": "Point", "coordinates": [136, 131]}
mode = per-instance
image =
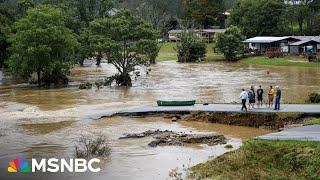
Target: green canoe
{"type": "Point", "coordinates": [176, 103]}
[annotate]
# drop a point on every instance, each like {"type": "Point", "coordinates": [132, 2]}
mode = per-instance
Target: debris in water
{"type": "Point", "coordinates": [177, 139]}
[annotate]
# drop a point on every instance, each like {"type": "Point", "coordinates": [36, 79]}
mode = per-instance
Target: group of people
{"type": "Point", "coordinates": [253, 95]}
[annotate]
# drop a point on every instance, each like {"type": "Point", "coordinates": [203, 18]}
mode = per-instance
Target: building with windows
{"type": "Point", "coordinates": [287, 44]}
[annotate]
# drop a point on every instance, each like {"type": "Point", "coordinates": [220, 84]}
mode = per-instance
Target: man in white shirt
{"type": "Point", "coordinates": [244, 97]}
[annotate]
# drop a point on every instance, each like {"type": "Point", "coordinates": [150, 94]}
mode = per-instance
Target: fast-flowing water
{"type": "Point", "coordinates": [47, 123]}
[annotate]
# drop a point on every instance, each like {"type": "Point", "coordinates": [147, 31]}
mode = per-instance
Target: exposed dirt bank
{"type": "Point", "coordinates": [266, 120]}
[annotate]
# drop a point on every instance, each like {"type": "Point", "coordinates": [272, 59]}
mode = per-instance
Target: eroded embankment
{"type": "Point", "coordinates": [267, 120]}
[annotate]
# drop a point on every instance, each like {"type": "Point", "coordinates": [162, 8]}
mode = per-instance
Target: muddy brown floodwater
{"type": "Point", "coordinates": [41, 123]}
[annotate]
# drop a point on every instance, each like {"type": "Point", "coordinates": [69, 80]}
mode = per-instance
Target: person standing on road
{"type": "Point", "coordinates": [271, 96]}
{"type": "Point", "coordinates": [252, 97]}
{"type": "Point", "coordinates": [260, 96]}
{"type": "Point", "coordinates": [278, 98]}
{"type": "Point", "coordinates": [244, 97]}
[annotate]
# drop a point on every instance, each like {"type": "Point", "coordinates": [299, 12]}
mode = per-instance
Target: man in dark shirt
{"type": "Point", "coordinates": [260, 96]}
{"type": "Point", "coordinates": [278, 98]}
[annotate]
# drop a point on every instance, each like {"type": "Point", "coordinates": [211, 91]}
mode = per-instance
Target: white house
{"type": "Point", "coordinates": [287, 44]}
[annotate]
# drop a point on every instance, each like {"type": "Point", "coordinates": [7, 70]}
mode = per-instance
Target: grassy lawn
{"type": "Point", "coordinates": [312, 122]}
{"type": "Point", "coordinates": [168, 53]}
{"type": "Point", "coordinates": [258, 159]}
{"type": "Point", "coordinates": [283, 61]}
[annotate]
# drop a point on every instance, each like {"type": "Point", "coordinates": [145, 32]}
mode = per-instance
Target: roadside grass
{"type": "Point", "coordinates": [282, 61]}
{"type": "Point", "coordinates": [168, 53]}
{"type": "Point", "coordinates": [259, 159]}
{"type": "Point", "coordinates": [312, 122]}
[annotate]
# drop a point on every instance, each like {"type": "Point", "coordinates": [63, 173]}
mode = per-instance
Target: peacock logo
{"type": "Point", "coordinates": [19, 165]}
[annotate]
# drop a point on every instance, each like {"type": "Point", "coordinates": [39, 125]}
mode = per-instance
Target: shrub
{"type": "Point", "coordinates": [92, 147]}
{"type": "Point", "coordinates": [314, 97]}
{"type": "Point", "coordinates": [190, 48]}
{"type": "Point", "coordinates": [230, 43]}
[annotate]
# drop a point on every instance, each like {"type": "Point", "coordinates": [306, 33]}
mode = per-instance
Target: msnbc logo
{"type": "Point", "coordinates": [54, 165]}
{"type": "Point", "coordinates": [18, 165]}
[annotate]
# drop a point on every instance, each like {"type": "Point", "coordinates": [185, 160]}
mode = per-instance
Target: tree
{"type": "Point", "coordinates": [313, 22]}
{"type": "Point", "coordinates": [160, 14]}
{"type": "Point", "coordinates": [203, 12]}
{"type": "Point", "coordinates": [78, 15]}
{"type": "Point", "coordinates": [260, 17]}
{"type": "Point", "coordinates": [83, 49]}
{"type": "Point", "coordinates": [190, 48]}
{"type": "Point", "coordinates": [10, 11]}
{"type": "Point", "coordinates": [118, 39]}
{"type": "Point", "coordinates": [298, 12]}
{"type": "Point", "coordinates": [5, 24]}
{"type": "Point", "coordinates": [230, 43]}
{"type": "Point", "coordinates": [150, 48]}
{"type": "Point", "coordinates": [43, 45]}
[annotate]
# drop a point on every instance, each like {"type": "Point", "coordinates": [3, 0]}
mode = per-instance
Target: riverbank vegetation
{"type": "Point", "coordinates": [312, 122]}
{"type": "Point", "coordinates": [190, 48]}
{"type": "Point", "coordinates": [42, 45]}
{"type": "Point", "coordinates": [314, 97]}
{"type": "Point", "coordinates": [122, 40]}
{"type": "Point", "coordinates": [89, 146]}
{"type": "Point", "coordinates": [259, 159]}
{"type": "Point", "coordinates": [292, 61]}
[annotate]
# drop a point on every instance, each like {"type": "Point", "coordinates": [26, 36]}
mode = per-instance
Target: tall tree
{"type": "Point", "coordinates": [43, 45]}
{"type": "Point", "coordinates": [119, 39]}
{"type": "Point", "coordinates": [260, 17]}
{"type": "Point", "coordinates": [203, 12]}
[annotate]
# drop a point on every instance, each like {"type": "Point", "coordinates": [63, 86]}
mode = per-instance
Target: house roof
{"type": "Point", "coordinates": [265, 39]}
{"type": "Point", "coordinates": [178, 31]}
{"type": "Point", "coordinates": [304, 42]}
{"type": "Point", "coordinates": [214, 30]}
{"type": "Point", "coordinates": [303, 38]}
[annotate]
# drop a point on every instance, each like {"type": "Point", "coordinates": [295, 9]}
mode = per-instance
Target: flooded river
{"type": "Point", "coordinates": [42, 123]}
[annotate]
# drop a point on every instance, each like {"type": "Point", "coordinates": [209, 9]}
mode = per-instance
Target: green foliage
{"type": "Point", "coordinates": [265, 160]}
{"type": "Point", "coordinates": [42, 44]}
{"type": "Point", "coordinates": [203, 12]}
{"type": "Point", "coordinates": [190, 48]}
{"type": "Point", "coordinates": [230, 43]}
{"type": "Point", "coordinates": [83, 49]}
{"type": "Point", "coordinates": [162, 15]}
{"type": "Point", "coordinates": [260, 17]}
{"type": "Point", "coordinates": [312, 122]}
{"type": "Point", "coordinates": [8, 14]}
{"type": "Point", "coordinates": [150, 48]}
{"type": "Point", "coordinates": [298, 13]}
{"type": "Point", "coordinates": [119, 40]}
{"type": "Point", "coordinates": [314, 97]}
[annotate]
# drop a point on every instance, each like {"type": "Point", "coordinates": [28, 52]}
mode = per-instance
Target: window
{"type": "Point", "coordinates": [253, 44]}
